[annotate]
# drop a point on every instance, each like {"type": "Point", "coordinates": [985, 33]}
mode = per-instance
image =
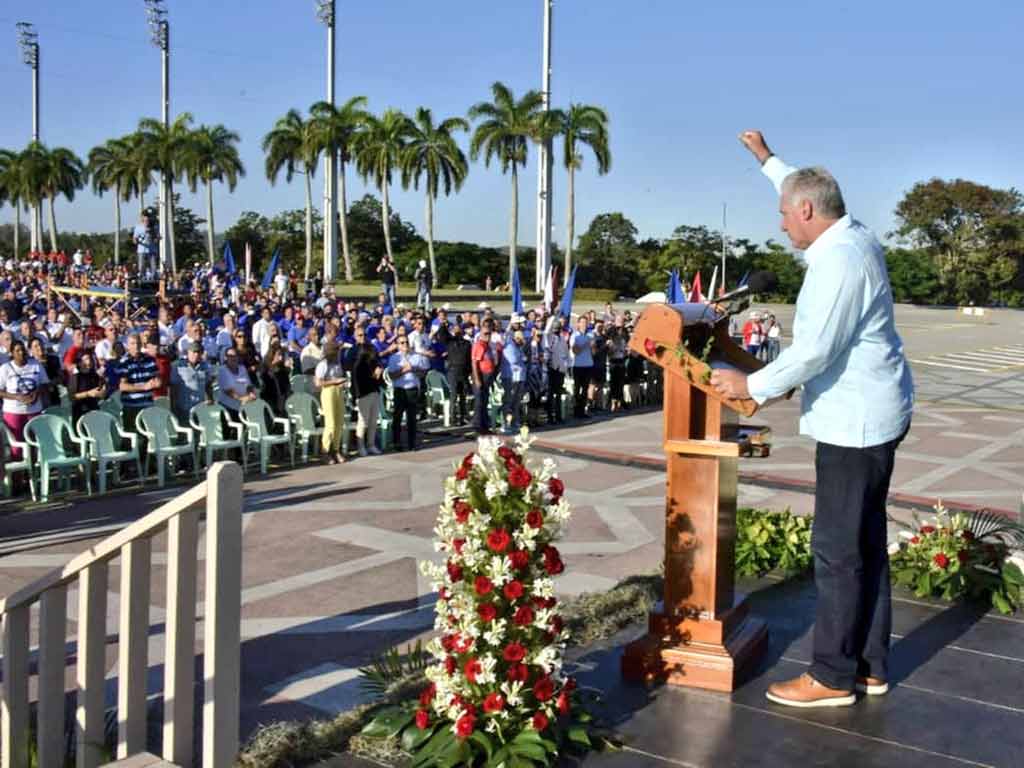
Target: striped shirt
{"type": "Point", "coordinates": [138, 370]}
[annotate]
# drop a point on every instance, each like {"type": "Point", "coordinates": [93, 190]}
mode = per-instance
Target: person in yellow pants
{"type": "Point", "coordinates": [330, 379]}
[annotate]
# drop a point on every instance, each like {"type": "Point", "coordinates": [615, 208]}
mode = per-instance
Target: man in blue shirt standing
{"type": "Point", "coordinates": [857, 401]}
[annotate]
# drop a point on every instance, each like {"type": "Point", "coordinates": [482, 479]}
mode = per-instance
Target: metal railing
{"type": "Point", "coordinates": [222, 492]}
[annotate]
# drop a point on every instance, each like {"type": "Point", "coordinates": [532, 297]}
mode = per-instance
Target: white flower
{"type": "Point", "coordinates": [511, 691]}
{"type": "Point", "coordinates": [495, 489]}
{"type": "Point", "coordinates": [548, 659]}
{"type": "Point", "coordinates": [894, 547]}
{"type": "Point", "coordinates": [491, 726]}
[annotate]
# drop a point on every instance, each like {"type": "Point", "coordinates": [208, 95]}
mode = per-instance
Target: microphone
{"type": "Point", "coordinates": [760, 282]}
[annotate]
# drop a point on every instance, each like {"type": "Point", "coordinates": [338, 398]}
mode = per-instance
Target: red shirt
{"type": "Point", "coordinates": [484, 356]}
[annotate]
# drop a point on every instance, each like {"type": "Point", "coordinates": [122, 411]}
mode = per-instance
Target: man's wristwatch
{"type": "Point", "coordinates": [769, 156]}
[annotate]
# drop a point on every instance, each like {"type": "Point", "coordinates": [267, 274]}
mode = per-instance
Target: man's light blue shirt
{"type": "Point", "coordinates": [513, 367]}
{"type": "Point", "coordinates": [858, 390]}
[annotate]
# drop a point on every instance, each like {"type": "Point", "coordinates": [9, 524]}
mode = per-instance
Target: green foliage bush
{"type": "Point", "coordinates": [768, 541]}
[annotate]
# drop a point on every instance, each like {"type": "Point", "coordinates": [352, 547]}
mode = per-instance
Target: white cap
{"type": "Point", "coordinates": [517, 319]}
{"type": "Point", "coordinates": [423, 263]}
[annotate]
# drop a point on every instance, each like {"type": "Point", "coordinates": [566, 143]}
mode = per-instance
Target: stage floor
{"type": "Point", "coordinates": [957, 698]}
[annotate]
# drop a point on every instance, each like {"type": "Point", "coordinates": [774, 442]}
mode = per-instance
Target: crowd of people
{"type": "Point", "coordinates": [213, 337]}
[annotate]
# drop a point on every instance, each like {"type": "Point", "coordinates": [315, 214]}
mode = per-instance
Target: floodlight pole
{"type": "Point", "coordinates": [326, 14]}
{"type": "Point", "coordinates": [28, 39]}
{"type": "Point", "coordinates": [545, 167]}
{"type": "Point", "coordinates": [722, 281]}
{"type": "Point", "coordinates": [160, 30]}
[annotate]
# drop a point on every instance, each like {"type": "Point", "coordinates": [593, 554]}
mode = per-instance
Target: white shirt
{"type": "Point", "coordinates": [281, 284]}
{"type": "Point", "coordinates": [104, 349]}
{"type": "Point", "coordinates": [329, 370]}
{"type": "Point", "coordinates": [167, 334]}
{"type": "Point", "coordinates": [858, 389]}
{"type": "Point", "coordinates": [22, 380]}
{"type": "Point", "coordinates": [238, 382]}
{"type": "Point", "coordinates": [260, 332]}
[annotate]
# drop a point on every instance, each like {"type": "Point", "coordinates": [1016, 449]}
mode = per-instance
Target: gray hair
{"type": "Point", "coordinates": [817, 186]}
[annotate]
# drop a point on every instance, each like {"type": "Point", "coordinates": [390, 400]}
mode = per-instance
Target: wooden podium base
{"type": "Point", "coordinates": [699, 653]}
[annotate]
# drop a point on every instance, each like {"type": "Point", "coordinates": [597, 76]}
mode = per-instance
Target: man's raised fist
{"type": "Point", "coordinates": [754, 141]}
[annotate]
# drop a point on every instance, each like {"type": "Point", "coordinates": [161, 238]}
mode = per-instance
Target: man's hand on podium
{"type": "Point", "coordinates": [730, 384]}
{"type": "Point", "coordinates": [754, 141]}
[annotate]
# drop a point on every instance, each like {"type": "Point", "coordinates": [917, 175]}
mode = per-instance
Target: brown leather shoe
{"type": "Point", "coordinates": [805, 691]}
{"type": "Point", "coordinates": [872, 686]}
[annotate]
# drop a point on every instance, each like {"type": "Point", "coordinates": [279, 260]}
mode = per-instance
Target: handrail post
{"type": "Point", "coordinates": [53, 627]}
{"type": "Point", "coordinates": [92, 670]}
{"type": "Point", "coordinates": [14, 705]}
{"type": "Point", "coordinates": [180, 634]}
{"type": "Point", "coordinates": [222, 639]}
{"type": "Point", "coordinates": [133, 647]}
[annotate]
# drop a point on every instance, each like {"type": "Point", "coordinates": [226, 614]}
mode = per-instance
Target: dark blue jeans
{"type": "Point", "coordinates": [851, 565]}
{"type": "Point", "coordinates": [481, 396]}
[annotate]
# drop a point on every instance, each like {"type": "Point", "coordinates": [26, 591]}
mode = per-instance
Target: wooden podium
{"type": "Point", "coordinates": [700, 634]}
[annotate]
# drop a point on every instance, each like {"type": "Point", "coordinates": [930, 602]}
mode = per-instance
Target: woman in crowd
{"type": "Point", "coordinates": [330, 380]}
{"type": "Point", "coordinates": [312, 353]}
{"type": "Point", "coordinates": [50, 364]}
{"type": "Point", "coordinates": [85, 386]}
{"type": "Point", "coordinates": [22, 380]}
{"type": "Point", "coordinates": [366, 381]}
{"type": "Point", "coordinates": [275, 380]}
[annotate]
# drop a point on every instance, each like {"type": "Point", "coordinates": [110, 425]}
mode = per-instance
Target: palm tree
{"type": "Point", "coordinates": [34, 163]}
{"type": "Point", "coordinates": [163, 150]}
{"type": "Point", "coordinates": [11, 189]}
{"type": "Point", "coordinates": [505, 129]}
{"type": "Point", "coordinates": [66, 175]}
{"type": "Point", "coordinates": [433, 152]}
{"type": "Point", "coordinates": [212, 155]}
{"type": "Point", "coordinates": [586, 125]}
{"type": "Point", "coordinates": [112, 167]}
{"type": "Point", "coordinates": [293, 142]}
{"type": "Point", "coordinates": [337, 128]}
{"type": "Point", "coordinates": [378, 151]}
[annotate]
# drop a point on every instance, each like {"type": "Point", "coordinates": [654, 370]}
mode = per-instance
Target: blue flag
{"type": "Point", "coordinates": [268, 276]}
{"type": "Point", "coordinates": [229, 258]}
{"type": "Point", "coordinates": [565, 309]}
{"type": "Point", "coordinates": [743, 280]}
{"type": "Point", "coordinates": [517, 292]}
{"type": "Point", "coordinates": [674, 294]}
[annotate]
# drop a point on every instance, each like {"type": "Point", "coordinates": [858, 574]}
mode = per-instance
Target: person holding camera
{"type": "Point", "coordinates": [145, 239]}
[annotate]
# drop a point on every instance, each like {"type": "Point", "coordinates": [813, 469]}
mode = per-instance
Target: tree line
{"type": "Point", "coordinates": [384, 149]}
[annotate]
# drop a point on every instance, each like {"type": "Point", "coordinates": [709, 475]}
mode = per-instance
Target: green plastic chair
{"type": "Point", "coordinates": [24, 464]}
{"type": "Point", "coordinates": [113, 405]}
{"type": "Point", "coordinates": [385, 419]}
{"type": "Point", "coordinates": [438, 395]}
{"type": "Point", "coordinates": [307, 422]}
{"type": "Point", "coordinates": [47, 435]}
{"type": "Point", "coordinates": [207, 419]}
{"type": "Point", "coordinates": [300, 382]}
{"type": "Point", "coordinates": [65, 398]}
{"type": "Point", "coordinates": [164, 440]}
{"type": "Point", "coordinates": [255, 415]}
{"type": "Point", "coordinates": [495, 405]}
{"type": "Point", "coordinates": [103, 436]}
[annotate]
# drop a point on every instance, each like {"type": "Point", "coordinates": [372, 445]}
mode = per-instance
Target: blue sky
{"type": "Point", "coordinates": [883, 93]}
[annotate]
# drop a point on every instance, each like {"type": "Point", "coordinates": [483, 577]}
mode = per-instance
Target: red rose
{"type": "Point", "coordinates": [464, 644]}
{"type": "Point", "coordinates": [519, 477]}
{"type": "Point", "coordinates": [448, 641]}
{"type": "Point", "coordinates": [518, 673]}
{"type": "Point", "coordinates": [498, 540]}
{"type": "Point", "coordinates": [961, 555]}
{"type": "Point", "coordinates": [524, 616]}
{"type": "Point", "coordinates": [458, 544]}
{"type": "Point", "coordinates": [462, 510]}
{"type": "Point", "coordinates": [422, 719]}
{"type": "Point", "coordinates": [487, 611]}
{"type": "Point", "coordinates": [461, 473]}
{"type": "Point", "coordinates": [494, 703]}
{"type": "Point", "coordinates": [483, 585]}
{"type": "Point", "coordinates": [563, 703]}
{"type": "Point", "coordinates": [543, 689]}
{"type": "Point", "coordinates": [551, 553]}
{"type": "Point", "coordinates": [427, 695]}
{"type": "Point", "coordinates": [442, 594]}
{"type": "Point", "coordinates": [464, 726]}
{"type": "Point", "coordinates": [967, 535]}
{"type": "Point", "coordinates": [650, 347]}
{"type": "Point", "coordinates": [535, 518]}
{"type": "Point", "coordinates": [467, 462]}
{"type": "Point", "coordinates": [454, 571]}
{"type": "Point", "coordinates": [506, 453]}
{"type": "Point", "coordinates": [554, 567]}
{"type": "Point", "coordinates": [471, 669]}
{"type": "Point", "coordinates": [556, 624]}
{"type": "Point", "coordinates": [556, 488]}
{"type": "Point", "coordinates": [519, 559]}
{"type": "Point", "coordinates": [926, 529]}
{"type": "Point", "coordinates": [540, 721]}
{"type": "Point", "coordinates": [450, 665]}
{"type": "Point", "coordinates": [941, 560]}
{"type": "Point", "coordinates": [514, 652]}
{"type": "Point", "coordinates": [544, 602]}
{"type": "Point", "coordinates": [915, 539]}
{"type": "Point", "coordinates": [513, 590]}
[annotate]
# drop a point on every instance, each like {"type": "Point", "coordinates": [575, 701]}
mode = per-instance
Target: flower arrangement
{"type": "Point", "coordinates": [496, 694]}
{"type": "Point", "coordinates": [956, 555]}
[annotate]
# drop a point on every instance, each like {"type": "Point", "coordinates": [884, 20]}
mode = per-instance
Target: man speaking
{"type": "Point", "coordinates": [857, 401]}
